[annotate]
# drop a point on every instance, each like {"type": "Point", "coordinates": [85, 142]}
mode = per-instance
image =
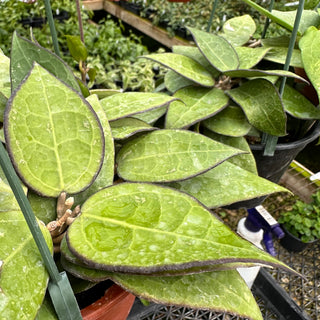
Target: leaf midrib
{"type": "Point", "coordinates": [131, 226]}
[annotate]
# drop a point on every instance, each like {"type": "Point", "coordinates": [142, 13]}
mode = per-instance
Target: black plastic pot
{"type": "Point", "coordinates": [292, 243]}
{"type": "Point", "coordinates": [273, 167]}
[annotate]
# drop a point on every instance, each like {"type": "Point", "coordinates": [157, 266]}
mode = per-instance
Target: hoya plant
{"type": "Point", "coordinates": [103, 176]}
{"type": "Point", "coordinates": [224, 85]}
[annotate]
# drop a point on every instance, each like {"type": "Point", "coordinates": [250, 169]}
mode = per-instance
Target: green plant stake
{"type": "Point", "coordinates": [52, 27]}
{"type": "Point", "coordinates": [266, 26]}
{"type": "Point", "coordinates": [59, 287]}
{"type": "Point", "coordinates": [271, 141]}
{"type": "Point", "coordinates": [215, 4]}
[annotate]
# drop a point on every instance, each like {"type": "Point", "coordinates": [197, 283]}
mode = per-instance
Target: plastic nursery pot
{"type": "Point", "coordinates": [273, 167]}
{"type": "Point", "coordinates": [293, 244]}
{"type": "Point", "coordinates": [115, 304]}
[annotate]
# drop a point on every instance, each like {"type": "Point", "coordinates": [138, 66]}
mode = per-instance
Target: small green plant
{"type": "Point", "coordinates": [303, 221]}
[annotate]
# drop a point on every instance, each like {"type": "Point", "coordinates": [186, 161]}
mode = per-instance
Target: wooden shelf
{"type": "Point", "coordinates": [143, 25]}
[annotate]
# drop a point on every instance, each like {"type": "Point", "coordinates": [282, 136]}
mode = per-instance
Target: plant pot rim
{"type": "Point", "coordinates": [287, 146]}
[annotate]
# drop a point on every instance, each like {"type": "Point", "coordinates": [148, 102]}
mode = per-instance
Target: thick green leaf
{"type": "Point", "coordinates": [298, 105]}
{"type": "Point", "coordinates": [23, 55]}
{"type": "Point", "coordinates": [53, 136]}
{"type": "Point", "coordinates": [286, 18]}
{"type": "Point", "coordinates": [249, 57]}
{"type": "Point", "coordinates": [23, 276]}
{"type": "Point", "coordinates": [170, 155]}
{"type": "Point", "coordinates": [130, 103]}
{"type": "Point", "coordinates": [230, 122]}
{"type": "Point", "coordinates": [127, 127]}
{"type": "Point", "coordinates": [239, 30]}
{"type": "Point", "coordinates": [43, 208]}
{"type": "Point", "coordinates": [151, 116]}
{"type": "Point", "coordinates": [279, 55]}
{"type": "Point", "coordinates": [153, 287]}
{"type": "Point", "coordinates": [3, 103]}
{"type": "Point", "coordinates": [8, 201]}
{"type": "Point", "coordinates": [310, 55]}
{"type": "Point", "coordinates": [5, 83]}
{"type": "Point", "coordinates": [262, 73]}
{"type": "Point", "coordinates": [103, 93]}
{"type": "Point", "coordinates": [46, 311]}
{"type": "Point", "coordinates": [105, 176]}
{"type": "Point", "coordinates": [136, 227]}
{"type": "Point", "coordinates": [184, 66]}
{"type": "Point", "coordinates": [223, 291]}
{"type": "Point", "coordinates": [262, 105]}
{"type": "Point", "coordinates": [186, 290]}
{"type": "Point", "coordinates": [174, 81]}
{"type": "Point", "coordinates": [216, 49]}
{"type": "Point", "coordinates": [213, 187]}
{"type": "Point", "coordinates": [245, 161]}
{"type": "Point", "coordinates": [76, 48]}
{"type": "Point", "coordinates": [195, 54]}
{"type": "Point", "coordinates": [196, 104]}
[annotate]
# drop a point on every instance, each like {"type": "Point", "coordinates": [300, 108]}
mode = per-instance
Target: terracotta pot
{"type": "Point", "coordinates": [114, 305]}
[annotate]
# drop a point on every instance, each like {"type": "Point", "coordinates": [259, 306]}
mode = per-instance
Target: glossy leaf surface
{"type": "Point", "coordinates": [170, 155]}
{"type": "Point", "coordinates": [127, 127]}
{"type": "Point", "coordinates": [151, 116]}
{"type": "Point", "coordinates": [78, 269]}
{"type": "Point", "coordinates": [43, 208]}
{"type": "Point", "coordinates": [196, 104]}
{"type": "Point", "coordinates": [130, 103]}
{"type": "Point", "coordinates": [231, 122]}
{"type": "Point", "coordinates": [46, 311]}
{"type": "Point", "coordinates": [279, 55]}
{"type": "Point", "coordinates": [216, 49]}
{"type": "Point", "coordinates": [147, 228]}
{"type": "Point", "coordinates": [23, 55]}
{"type": "Point", "coordinates": [5, 84]}
{"type": "Point", "coordinates": [213, 187]}
{"type": "Point", "coordinates": [298, 105]}
{"type": "Point", "coordinates": [53, 136]}
{"type": "Point", "coordinates": [310, 55]}
{"type": "Point", "coordinates": [3, 103]}
{"type": "Point", "coordinates": [186, 287]}
{"type": "Point", "coordinates": [174, 81]}
{"type": "Point", "coordinates": [76, 48]}
{"type": "Point", "coordinates": [184, 66]}
{"type": "Point", "coordinates": [106, 174]}
{"type": "Point", "coordinates": [262, 105]}
{"type": "Point", "coordinates": [223, 291]}
{"type": "Point", "coordinates": [262, 73]}
{"type": "Point", "coordinates": [246, 160]}
{"type": "Point", "coordinates": [195, 54]}
{"type": "Point", "coordinates": [238, 30]}
{"type": "Point", "coordinates": [286, 18]}
{"type": "Point", "coordinates": [20, 262]}
{"type": "Point", "coordinates": [249, 57]}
